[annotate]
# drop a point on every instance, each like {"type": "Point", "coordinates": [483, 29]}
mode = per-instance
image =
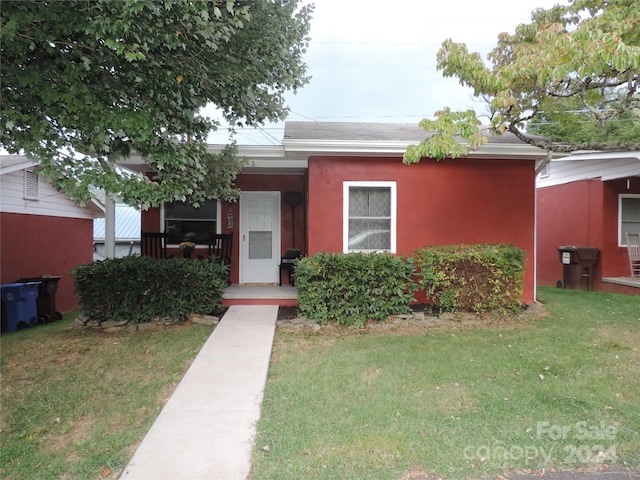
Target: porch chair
{"type": "Point", "coordinates": [221, 248]}
{"type": "Point", "coordinates": [153, 244]}
{"type": "Point", "coordinates": [633, 249]}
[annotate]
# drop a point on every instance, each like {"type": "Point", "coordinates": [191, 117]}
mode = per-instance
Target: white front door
{"type": "Point", "coordinates": [259, 237]}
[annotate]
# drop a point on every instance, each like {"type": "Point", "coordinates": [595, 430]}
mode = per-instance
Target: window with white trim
{"type": "Point", "coordinates": [628, 216]}
{"type": "Point", "coordinates": [369, 217]}
{"type": "Point", "coordinates": [185, 223]}
{"type": "Point", "coordinates": [544, 173]}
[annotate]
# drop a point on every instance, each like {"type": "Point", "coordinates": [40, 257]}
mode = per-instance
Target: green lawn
{"type": "Point", "coordinates": [458, 403]}
{"type": "Point", "coordinates": [76, 404]}
{"type": "Point", "coordinates": [559, 392]}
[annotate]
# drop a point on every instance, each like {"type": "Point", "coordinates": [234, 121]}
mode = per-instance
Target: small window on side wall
{"type": "Point", "coordinates": [628, 216]}
{"type": "Point", "coordinates": [369, 217]}
{"type": "Point", "coordinates": [544, 173]}
{"type": "Point", "coordinates": [185, 223]}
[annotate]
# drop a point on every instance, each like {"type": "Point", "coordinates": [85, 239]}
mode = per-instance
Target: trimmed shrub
{"type": "Point", "coordinates": [473, 278]}
{"type": "Point", "coordinates": [139, 289]}
{"type": "Point", "coordinates": [354, 288]}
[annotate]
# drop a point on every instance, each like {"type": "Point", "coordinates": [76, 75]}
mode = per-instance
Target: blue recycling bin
{"type": "Point", "coordinates": [19, 307]}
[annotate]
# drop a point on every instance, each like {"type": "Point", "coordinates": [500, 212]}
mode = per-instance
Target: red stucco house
{"type": "Point", "coordinates": [590, 200]}
{"type": "Point", "coordinates": [342, 187]}
{"type": "Point", "coordinates": [42, 231]}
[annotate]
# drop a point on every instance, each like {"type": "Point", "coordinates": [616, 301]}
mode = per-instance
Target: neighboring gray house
{"type": "Point", "coordinates": [127, 233]}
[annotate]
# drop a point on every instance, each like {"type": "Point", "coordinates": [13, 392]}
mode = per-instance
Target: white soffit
{"type": "Point", "coordinates": [616, 164]}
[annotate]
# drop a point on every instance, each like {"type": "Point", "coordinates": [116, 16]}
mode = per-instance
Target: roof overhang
{"type": "Point", "coordinates": [604, 166]}
{"type": "Point", "coordinates": [267, 159]}
{"type": "Point", "coordinates": [621, 164]}
{"type": "Point", "coordinates": [305, 139]}
{"type": "Point", "coordinates": [95, 207]}
{"type": "Point", "coordinates": [14, 163]}
{"type": "Point", "coordinates": [313, 147]}
{"type": "Point", "coordinates": [257, 159]}
{"type": "Point", "coordinates": [601, 156]}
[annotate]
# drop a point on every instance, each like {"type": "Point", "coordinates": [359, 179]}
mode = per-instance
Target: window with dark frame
{"type": "Point", "coordinates": [185, 223]}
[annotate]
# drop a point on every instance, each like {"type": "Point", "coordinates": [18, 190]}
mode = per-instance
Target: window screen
{"type": "Point", "coordinates": [185, 223]}
{"type": "Point", "coordinates": [629, 216]}
{"type": "Point", "coordinates": [369, 218]}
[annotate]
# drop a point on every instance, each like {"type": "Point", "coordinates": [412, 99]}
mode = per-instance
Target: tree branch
{"type": "Point", "coordinates": [562, 147]}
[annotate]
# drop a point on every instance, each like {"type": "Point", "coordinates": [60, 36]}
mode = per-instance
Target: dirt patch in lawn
{"type": "Point", "coordinates": [287, 313]}
{"type": "Point", "coordinates": [421, 317]}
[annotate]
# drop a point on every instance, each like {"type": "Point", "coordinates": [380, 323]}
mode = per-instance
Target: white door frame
{"type": "Point", "coordinates": [269, 274]}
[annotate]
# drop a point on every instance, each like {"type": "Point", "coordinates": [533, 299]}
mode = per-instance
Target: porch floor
{"type": "Point", "coordinates": [286, 295]}
{"type": "Point", "coordinates": [627, 281]}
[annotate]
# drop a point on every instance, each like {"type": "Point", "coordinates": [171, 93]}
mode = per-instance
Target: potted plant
{"type": "Point", "coordinates": [291, 255]}
{"type": "Point", "coordinates": [187, 248]}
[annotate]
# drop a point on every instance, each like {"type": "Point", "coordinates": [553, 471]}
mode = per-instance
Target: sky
{"type": "Point", "coordinates": [375, 60]}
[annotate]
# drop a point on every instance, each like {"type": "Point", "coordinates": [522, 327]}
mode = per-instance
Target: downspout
{"type": "Point", "coordinates": [539, 168]}
{"type": "Point", "coordinates": [544, 163]}
{"type": "Point", "coordinates": [535, 239]}
{"type": "Point", "coordinates": [109, 226]}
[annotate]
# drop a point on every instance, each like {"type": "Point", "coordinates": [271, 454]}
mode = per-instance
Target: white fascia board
{"type": "Point", "coordinates": [17, 167]}
{"type": "Point", "coordinates": [514, 151]}
{"type": "Point", "coordinates": [600, 156]}
{"type": "Point", "coordinates": [254, 151]}
{"type": "Point", "coordinates": [96, 207]}
{"type": "Point", "coordinates": [15, 163]}
{"type": "Point", "coordinates": [134, 162]}
{"type": "Point", "coordinates": [138, 163]}
{"type": "Point", "coordinates": [397, 148]}
{"type": "Point", "coordinates": [343, 147]}
{"type": "Point", "coordinates": [277, 163]}
{"type": "Point", "coordinates": [265, 157]}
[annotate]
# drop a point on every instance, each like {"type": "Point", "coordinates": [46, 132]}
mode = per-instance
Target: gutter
{"type": "Point", "coordinates": [307, 147]}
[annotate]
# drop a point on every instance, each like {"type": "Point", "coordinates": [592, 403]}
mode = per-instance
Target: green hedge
{"type": "Point", "coordinates": [139, 289]}
{"type": "Point", "coordinates": [474, 278]}
{"type": "Point", "coordinates": [354, 288]}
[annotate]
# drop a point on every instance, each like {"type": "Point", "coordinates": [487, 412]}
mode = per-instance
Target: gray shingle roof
{"type": "Point", "coordinates": [357, 131]}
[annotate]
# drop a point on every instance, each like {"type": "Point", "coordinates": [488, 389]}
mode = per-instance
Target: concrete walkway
{"type": "Point", "coordinates": [206, 429]}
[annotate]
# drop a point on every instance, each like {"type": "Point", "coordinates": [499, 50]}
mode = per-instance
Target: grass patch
{"type": "Point", "coordinates": [76, 403]}
{"type": "Point", "coordinates": [558, 392]}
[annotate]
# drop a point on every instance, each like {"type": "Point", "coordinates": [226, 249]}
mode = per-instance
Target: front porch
{"type": "Point", "coordinates": [284, 296]}
{"type": "Point", "coordinates": [626, 285]}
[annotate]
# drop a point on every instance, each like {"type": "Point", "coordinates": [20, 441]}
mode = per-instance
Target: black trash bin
{"type": "Point", "coordinates": [578, 264]}
{"type": "Point", "coordinates": [46, 296]}
{"type": "Point", "coordinates": [587, 258]}
{"type": "Point", "coordinates": [570, 266]}
{"type": "Point", "coordinates": [19, 308]}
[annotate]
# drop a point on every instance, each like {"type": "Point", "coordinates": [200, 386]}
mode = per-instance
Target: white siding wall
{"type": "Point", "coordinates": [565, 171]}
{"type": "Point", "coordinates": [50, 202]}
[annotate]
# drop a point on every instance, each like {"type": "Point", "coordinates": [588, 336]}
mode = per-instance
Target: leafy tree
{"type": "Point", "coordinates": [584, 55]}
{"type": "Point", "coordinates": [85, 83]}
{"type": "Point", "coordinates": [567, 120]}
